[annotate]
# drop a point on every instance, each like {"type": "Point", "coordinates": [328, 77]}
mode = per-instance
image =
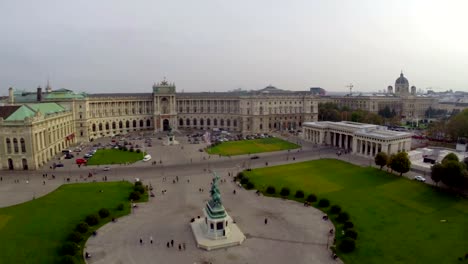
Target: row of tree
{"type": "Point", "coordinates": [451, 171]}
{"type": "Point", "coordinates": [452, 128]}
{"type": "Point", "coordinates": [332, 112]}
{"type": "Point", "coordinates": [398, 162]}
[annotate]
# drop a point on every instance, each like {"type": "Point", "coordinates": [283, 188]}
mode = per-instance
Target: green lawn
{"type": "Point", "coordinates": [114, 156]}
{"type": "Point", "coordinates": [398, 220]}
{"type": "Point", "coordinates": [33, 232]}
{"type": "Point", "coordinates": [232, 148]}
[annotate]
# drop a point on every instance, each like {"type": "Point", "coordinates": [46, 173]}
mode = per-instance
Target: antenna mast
{"type": "Point", "coordinates": [350, 86]}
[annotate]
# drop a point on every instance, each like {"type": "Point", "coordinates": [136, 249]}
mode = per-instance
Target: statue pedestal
{"type": "Point", "coordinates": [234, 237]}
{"type": "Point", "coordinates": [216, 229]}
{"type": "Point", "coordinates": [170, 140]}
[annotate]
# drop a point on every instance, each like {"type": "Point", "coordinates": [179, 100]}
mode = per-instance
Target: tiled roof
{"type": "Point", "coordinates": [6, 111]}
{"type": "Point", "coordinates": [30, 110]}
{"type": "Point", "coordinates": [21, 113]}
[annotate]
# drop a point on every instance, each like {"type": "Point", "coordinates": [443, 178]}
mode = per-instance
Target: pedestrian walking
{"type": "Point", "coordinates": [266, 221]}
{"type": "Point", "coordinates": [141, 241]}
{"type": "Point", "coordinates": [151, 240]}
{"type": "Point", "coordinates": [167, 244]}
{"type": "Point", "coordinates": [180, 247]}
{"type": "Point", "coordinates": [172, 243]}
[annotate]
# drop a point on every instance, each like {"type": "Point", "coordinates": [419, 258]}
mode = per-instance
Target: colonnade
{"type": "Point", "coordinates": [370, 148]}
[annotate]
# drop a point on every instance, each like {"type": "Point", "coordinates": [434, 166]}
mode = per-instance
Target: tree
{"type": "Point", "coordinates": [453, 173]}
{"type": "Point", "coordinates": [400, 163]}
{"type": "Point", "coordinates": [450, 157]}
{"type": "Point", "coordinates": [381, 159]}
{"type": "Point", "coordinates": [437, 172]}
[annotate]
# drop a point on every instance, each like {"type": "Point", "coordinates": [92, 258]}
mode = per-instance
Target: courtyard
{"type": "Point", "coordinates": [298, 232]}
{"type": "Point", "coordinates": [252, 146]}
{"type": "Point", "coordinates": [397, 220]}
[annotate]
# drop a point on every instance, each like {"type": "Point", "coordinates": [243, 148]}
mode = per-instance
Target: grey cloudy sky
{"type": "Point", "coordinates": [215, 45]}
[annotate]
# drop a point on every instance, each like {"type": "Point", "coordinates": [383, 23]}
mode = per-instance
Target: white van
{"type": "Point", "coordinates": [147, 157]}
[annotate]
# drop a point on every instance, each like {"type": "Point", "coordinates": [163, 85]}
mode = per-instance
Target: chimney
{"type": "Point", "coordinates": [11, 96]}
{"type": "Point", "coordinates": [39, 94]}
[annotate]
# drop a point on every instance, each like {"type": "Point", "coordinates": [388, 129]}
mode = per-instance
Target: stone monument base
{"type": "Point", "coordinates": [170, 143]}
{"type": "Point", "coordinates": [235, 238]}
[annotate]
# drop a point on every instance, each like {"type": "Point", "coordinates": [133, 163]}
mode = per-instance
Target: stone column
{"type": "Point", "coordinates": [354, 145]}
{"type": "Point", "coordinates": [339, 140]}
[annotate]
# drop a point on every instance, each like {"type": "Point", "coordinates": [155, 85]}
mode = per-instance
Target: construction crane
{"type": "Point", "coordinates": [350, 86]}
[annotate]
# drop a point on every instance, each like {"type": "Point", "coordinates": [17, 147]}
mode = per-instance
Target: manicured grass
{"type": "Point", "coordinates": [114, 156]}
{"type": "Point", "coordinates": [33, 232]}
{"type": "Point", "coordinates": [397, 220]}
{"type": "Point", "coordinates": [232, 148]}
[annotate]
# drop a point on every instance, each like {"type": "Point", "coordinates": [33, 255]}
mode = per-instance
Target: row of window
{"type": "Point", "coordinates": [194, 122]}
{"type": "Point", "coordinates": [114, 125]}
{"type": "Point", "coordinates": [15, 145]}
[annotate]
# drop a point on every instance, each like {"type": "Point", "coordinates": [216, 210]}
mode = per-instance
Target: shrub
{"type": "Point", "coordinates": [135, 196]}
{"type": "Point", "coordinates": [139, 188]}
{"type": "Point", "coordinates": [75, 237]}
{"type": "Point", "coordinates": [351, 234]}
{"type": "Point", "coordinates": [299, 194]}
{"type": "Point", "coordinates": [347, 245]}
{"type": "Point", "coordinates": [67, 259]}
{"type": "Point", "coordinates": [82, 227]}
{"type": "Point", "coordinates": [271, 190]}
{"type": "Point", "coordinates": [240, 175]}
{"type": "Point", "coordinates": [285, 191]}
{"type": "Point", "coordinates": [249, 186]}
{"type": "Point", "coordinates": [132, 150]}
{"type": "Point", "coordinates": [92, 219]}
{"type": "Point", "coordinates": [335, 209]}
{"type": "Point", "coordinates": [348, 224]}
{"type": "Point", "coordinates": [124, 148]}
{"type": "Point", "coordinates": [342, 217]}
{"type": "Point", "coordinates": [138, 151]}
{"type": "Point", "coordinates": [323, 203]}
{"type": "Point", "coordinates": [69, 248]}
{"type": "Point", "coordinates": [120, 207]}
{"type": "Point", "coordinates": [244, 180]}
{"type": "Point", "coordinates": [311, 198]}
{"type": "Point", "coordinates": [138, 183]}
{"type": "Point", "coordinates": [103, 213]}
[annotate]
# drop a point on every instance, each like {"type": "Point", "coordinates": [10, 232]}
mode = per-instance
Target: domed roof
{"type": "Point", "coordinates": [401, 79]}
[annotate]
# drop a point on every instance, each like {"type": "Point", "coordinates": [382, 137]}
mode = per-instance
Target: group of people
{"type": "Point", "coordinates": [171, 244]}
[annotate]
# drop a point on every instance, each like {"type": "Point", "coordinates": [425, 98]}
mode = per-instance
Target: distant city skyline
{"type": "Point", "coordinates": [114, 46]}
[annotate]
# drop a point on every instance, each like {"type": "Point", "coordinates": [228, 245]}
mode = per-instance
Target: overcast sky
{"type": "Point", "coordinates": [217, 45]}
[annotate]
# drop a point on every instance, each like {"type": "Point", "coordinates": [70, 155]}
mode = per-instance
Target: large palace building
{"type": "Point", "coordinates": [35, 126]}
{"type": "Point", "coordinates": [403, 100]}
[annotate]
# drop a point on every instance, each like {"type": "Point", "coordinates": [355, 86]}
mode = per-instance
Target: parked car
{"type": "Point", "coordinates": [255, 157]}
{"type": "Point", "coordinates": [69, 156]}
{"type": "Point", "coordinates": [58, 165]}
{"type": "Point", "coordinates": [419, 178]}
{"type": "Point", "coordinates": [106, 169]}
{"type": "Point", "coordinates": [81, 161]}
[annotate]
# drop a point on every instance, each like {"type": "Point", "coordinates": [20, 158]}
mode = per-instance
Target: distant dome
{"type": "Point", "coordinates": [401, 80]}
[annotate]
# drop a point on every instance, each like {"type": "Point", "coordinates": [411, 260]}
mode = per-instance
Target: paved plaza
{"type": "Point", "coordinates": [293, 234]}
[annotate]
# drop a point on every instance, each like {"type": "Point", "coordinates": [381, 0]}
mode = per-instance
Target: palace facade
{"type": "Point", "coordinates": [46, 122]}
{"type": "Point", "coordinates": [90, 116]}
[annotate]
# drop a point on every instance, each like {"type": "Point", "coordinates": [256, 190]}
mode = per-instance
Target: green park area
{"type": "Point", "coordinates": [397, 220]}
{"type": "Point", "coordinates": [39, 231]}
{"type": "Point", "coordinates": [232, 148]}
{"type": "Point", "coordinates": [114, 156]}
